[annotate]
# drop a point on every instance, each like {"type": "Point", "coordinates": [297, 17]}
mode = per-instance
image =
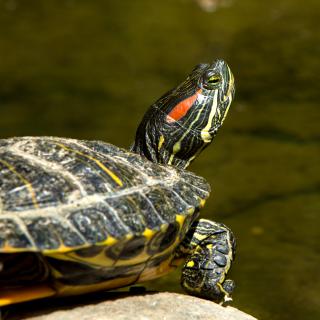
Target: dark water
{"type": "Point", "coordinates": [89, 69]}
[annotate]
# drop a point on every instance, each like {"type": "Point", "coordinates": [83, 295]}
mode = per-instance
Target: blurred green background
{"type": "Point", "coordinates": [90, 69]}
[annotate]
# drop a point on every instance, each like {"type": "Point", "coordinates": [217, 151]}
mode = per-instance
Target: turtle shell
{"type": "Point", "coordinates": [80, 216]}
{"type": "Point", "coordinates": [57, 195]}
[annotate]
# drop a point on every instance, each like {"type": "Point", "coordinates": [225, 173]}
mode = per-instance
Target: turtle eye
{"type": "Point", "coordinates": [211, 81]}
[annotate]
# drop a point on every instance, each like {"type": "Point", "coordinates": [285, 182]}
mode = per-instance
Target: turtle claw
{"type": "Point", "coordinates": [209, 261]}
{"type": "Point", "coordinates": [227, 288]}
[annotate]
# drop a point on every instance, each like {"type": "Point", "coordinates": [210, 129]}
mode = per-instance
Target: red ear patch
{"type": "Point", "coordinates": [182, 108]}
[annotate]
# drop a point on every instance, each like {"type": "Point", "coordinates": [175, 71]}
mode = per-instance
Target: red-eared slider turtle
{"type": "Point", "coordinates": [80, 216]}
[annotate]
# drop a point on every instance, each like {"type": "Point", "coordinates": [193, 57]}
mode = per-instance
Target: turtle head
{"type": "Point", "coordinates": [184, 121]}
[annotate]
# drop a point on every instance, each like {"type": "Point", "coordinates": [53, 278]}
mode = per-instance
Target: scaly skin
{"type": "Point", "coordinates": [209, 249]}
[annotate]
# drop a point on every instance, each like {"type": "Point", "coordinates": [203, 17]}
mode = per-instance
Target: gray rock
{"type": "Point", "coordinates": [156, 306]}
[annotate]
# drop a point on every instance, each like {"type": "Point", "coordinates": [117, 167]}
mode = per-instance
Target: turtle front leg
{"type": "Point", "coordinates": [209, 249]}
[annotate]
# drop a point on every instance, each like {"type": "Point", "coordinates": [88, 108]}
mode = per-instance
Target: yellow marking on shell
{"type": "Point", "coordinates": [64, 249]}
{"type": "Point", "coordinates": [190, 264]}
{"type": "Point", "coordinates": [9, 249]}
{"type": "Point", "coordinates": [202, 203]}
{"type": "Point", "coordinates": [144, 272]}
{"type": "Point", "coordinates": [13, 296]}
{"type": "Point", "coordinates": [180, 219]}
{"type": "Point", "coordinates": [108, 242]}
{"type": "Point", "coordinates": [24, 180]}
{"type": "Point", "coordinates": [190, 210]}
{"type": "Point", "coordinates": [99, 260]}
{"type": "Point", "coordinates": [142, 257]}
{"type": "Point", "coordinates": [129, 236]}
{"type": "Point", "coordinates": [209, 246]}
{"type": "Point", "coordinates": [96, 261]}
{"type": "Point", "coordinates": [164, 227]}
{"type": "Point", "coordinates": [161, 141]}
{"type": "Point", "coordinates": [114, 177]}
{"type": "Point", "coordinates": [148, 233]}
